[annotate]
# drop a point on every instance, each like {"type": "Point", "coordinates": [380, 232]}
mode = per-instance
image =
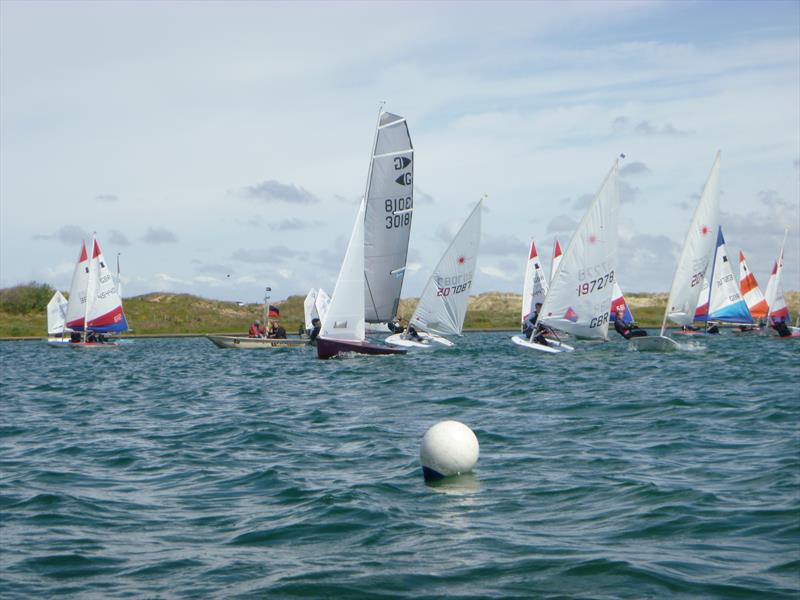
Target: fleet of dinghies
{"type": "Point", "coordinates": [581, 298]}
{"type": "Point", "coordinates": [94, 308]}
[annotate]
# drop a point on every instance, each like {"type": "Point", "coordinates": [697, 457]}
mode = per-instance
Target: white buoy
{"type": "Point", "coordinates": [448, 448]}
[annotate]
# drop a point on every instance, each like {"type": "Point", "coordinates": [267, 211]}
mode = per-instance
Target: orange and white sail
{"type": "Point", "coordinates": [752, 294]}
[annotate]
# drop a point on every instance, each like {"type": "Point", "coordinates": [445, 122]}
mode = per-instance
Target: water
{"type": "Point", "coordinates": [169, 468]}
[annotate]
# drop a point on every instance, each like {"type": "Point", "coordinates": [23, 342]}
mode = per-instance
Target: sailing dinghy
{"type": "Point", "coordinates": [94, 304]}
{"type": "Point", "coordinates": [443, 304]}
{"type": "Point", "coordinates": [778, 311]}
{"type": "Point", "coordinates": [57, 319]}
{"type": "Point", "coordinates": [343, 326]}
{"type": "Point", "coordinates": [691, 268]}
{"type": "Point", "coordinates": [534, 286]}
{"type": "Point", "coordinates": [725, 302]}
{"type": "Point", "coordinates": [579, 299]}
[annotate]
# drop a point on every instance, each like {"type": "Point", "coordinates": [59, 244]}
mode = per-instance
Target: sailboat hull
{"type": "Point", "coordinates": [427, 340]}
{"type": "Point", "coordinates": [553, 347]}
{"type": "Point", "coordinates": [244, 342]}
{"type": "Point", "coordinates": [329, 348]}
{"type": "Point", "coordinates": [655, 343]}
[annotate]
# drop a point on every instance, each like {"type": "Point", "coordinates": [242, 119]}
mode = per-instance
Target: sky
{"type": "Point", "coordinates": [219, 148]}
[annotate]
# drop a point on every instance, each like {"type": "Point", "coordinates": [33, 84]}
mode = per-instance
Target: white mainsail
{"type": "Point", "coordinates": [388, 212]}
{"type": "Point", "coordinates": [76, 308]}
{"type": "Point", "coordinates": [322, 303]}
{"type": "Point", "coordinates": [309, 308]}
{"type": "Point", "coordinates": [57, 314]}
{"type": "Point", "coordinates": [345, 316]}
{"type": "Point", "coordinates": [695, 255]}
{"type": "Point", "coordinates": [580, 295]}
{"type": "Point", "coordinates": [443, 303]}
{"type": "Point", "coordinates": [534, 288]}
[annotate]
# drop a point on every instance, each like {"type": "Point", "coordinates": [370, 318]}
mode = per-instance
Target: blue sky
{"type": "Point", "coordinates": [223, 147]}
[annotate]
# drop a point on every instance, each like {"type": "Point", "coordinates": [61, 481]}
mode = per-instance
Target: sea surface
{"type": "Point", "coordinates": [169, 468]}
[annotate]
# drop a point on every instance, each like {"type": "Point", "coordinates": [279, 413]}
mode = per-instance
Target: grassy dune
{"type": "Point", "coordinates": [22, 312]}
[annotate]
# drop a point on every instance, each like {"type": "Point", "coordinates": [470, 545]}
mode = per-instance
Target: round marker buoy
{"type": "Point", "coordinates": [448, 448]}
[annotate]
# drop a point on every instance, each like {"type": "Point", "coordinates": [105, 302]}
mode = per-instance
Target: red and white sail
{"type": "Point", "coordinates": [748, 286]}
{"type": "Point", "coordinates": [534, 288]}
{"type": "Point", "coordinates": [104, 312]}
{"type": "Point", "coordinates": [76, 308]}
{"type": "Point", "coordinates": [778, 311]}
{"type": "Point", "coordinates": [556, 260]}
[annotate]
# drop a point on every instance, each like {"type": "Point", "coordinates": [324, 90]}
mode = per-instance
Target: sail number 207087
{"type": "Point", "coordinates": [398, 211]}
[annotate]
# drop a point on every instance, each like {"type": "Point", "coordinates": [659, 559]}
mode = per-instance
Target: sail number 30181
{"type": "Point", "coordinates": [398, 211]}
{"type": "Point", "coordinates": [595, 284]}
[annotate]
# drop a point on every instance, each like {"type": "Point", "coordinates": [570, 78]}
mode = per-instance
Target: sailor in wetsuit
{"type": "Point", "coordinates": [532, 329]}
{"type": "Point", "coordinates": [626, 330]}
{"type": "Point", "coordinates": [781, 327]}
{"type": "Point", "coordinates": [316, 327]}
{"type": "Point", "coordinates": [411, 334]}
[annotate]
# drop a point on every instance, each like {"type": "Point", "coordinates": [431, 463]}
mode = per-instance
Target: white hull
{"type": "Point", "coordinates": [429, 340]}
{"type": "Point", "coordinates": [553, 347]}
{"type": "Point", "coordinates": [655, 343]}
{"type": "Point", "coordinates": [244, 342]}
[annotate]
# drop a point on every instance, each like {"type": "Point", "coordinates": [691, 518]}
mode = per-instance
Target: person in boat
{"type": "Point", "coordinates": [276, 332]}
{"type": "Point", "coordinates": [75, 337]}
{"type": "Point", "coordinates": [713, 329]}
{"type": "Point", "coordinates": [255, 329]}
{"type": "Point", "coordinates": [780, 326]}
{"type": "Point", "coordinates": [396, 325]}
{"type": "Point", "coordinates": [529, 325]}
{"type": "Point", "coordinates": [315, 329]}
{"type": "Point", "coordinates": [412, 334]}
{"type": "Point", "coordinates": [626, 330]}
{"type": "Point", "coordinates": [533, 329]}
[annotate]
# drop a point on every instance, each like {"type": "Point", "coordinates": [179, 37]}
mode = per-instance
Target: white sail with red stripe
{"type": "Point", "coordinates": [748, 286]}
{"type": "Point", "coordinates": [556, 260]}
{"type": "Point", "coordinates": [778, 311]}
{"type": "Point", "coordinates": [76, 308]}
{"type": "Point", "coordinates": [104, 313]}
{"type": "Point", "coordinates": [534, 288]}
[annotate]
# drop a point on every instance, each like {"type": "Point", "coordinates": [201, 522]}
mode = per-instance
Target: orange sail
{"type": "Point", "coordinates": [748, 286]}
